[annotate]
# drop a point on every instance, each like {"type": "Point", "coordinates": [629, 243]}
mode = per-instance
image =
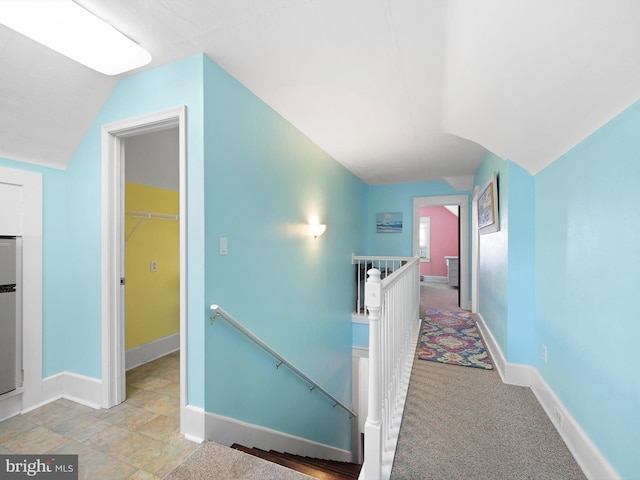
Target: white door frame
{"type": "Point", "coordinates": [475, 253]}
{"type": "Point", "coordinates": [113, 349]}
{"type": "Point", "coordinates": [461, 201]}
{"type": "Point", "coordinates": [32, 393]}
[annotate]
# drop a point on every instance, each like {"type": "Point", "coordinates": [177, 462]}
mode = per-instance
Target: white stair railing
{"type": "Point", "coordinates": [364, 263]}
{"type": "Point", "coordinates": [394, 323]}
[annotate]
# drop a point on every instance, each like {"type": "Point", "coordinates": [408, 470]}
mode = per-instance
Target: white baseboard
{"type": "Point", "coordinates": [359, 362]}
{"type": "Point", "coordinates": [149, 351]}
{"type": "Point", "coordinates": [360, 318]}
{"type": "Point", "coordinates": [359, 352]}
{"type": "Point", "coordinates": [434, 279]}
{"type": "Point", "coordinates": [78, 388]}
{"type": "Point", "coordinates": [594, 465]}
{"type": "Point", "coordinates": [193, 425]}
{"type": "Point", "coordinates": [510, 373]}
{"type": "Point", "coordinates": [10, 405]}
{"type": "Point", "coordinates": [226, 431]}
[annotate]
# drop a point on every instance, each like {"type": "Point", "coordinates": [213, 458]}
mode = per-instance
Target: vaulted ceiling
{"type": "Point", "coordinates": [395, 90]}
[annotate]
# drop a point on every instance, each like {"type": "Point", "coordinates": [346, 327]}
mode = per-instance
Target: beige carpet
{"type": "Point", "coordinates": [438, 295]}
{"type": "Point", "coordinates": [464, 423]}
{"type": "Point", "coordinates": [216, 462]}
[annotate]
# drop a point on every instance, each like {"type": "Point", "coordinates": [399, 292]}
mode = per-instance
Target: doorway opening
{"type": "Point", "coordinates": [451, 268]}
{"type": "Point", "coordinates": [115, 137]}
{"type": "Point", "coordinates": [152, 246]}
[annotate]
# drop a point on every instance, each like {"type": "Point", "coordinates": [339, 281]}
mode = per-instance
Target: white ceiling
{"type": "Point", "coordinates": [395, 90]}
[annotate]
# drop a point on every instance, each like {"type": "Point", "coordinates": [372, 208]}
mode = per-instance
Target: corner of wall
{"type": "Point", "coordinates": [585, 452]}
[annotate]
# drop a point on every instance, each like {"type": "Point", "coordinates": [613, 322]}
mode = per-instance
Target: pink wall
{"type": "Point", "coordinates": [444, 240]}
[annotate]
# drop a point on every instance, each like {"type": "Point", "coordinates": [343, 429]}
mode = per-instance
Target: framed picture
{"type": "Point", "coordinates": [389, 222]}
{"type": "Point", "coordinates": [488, 221]}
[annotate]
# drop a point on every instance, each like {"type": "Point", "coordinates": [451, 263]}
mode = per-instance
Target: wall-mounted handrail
{"type": "Point", "coordinates": [219, 312]}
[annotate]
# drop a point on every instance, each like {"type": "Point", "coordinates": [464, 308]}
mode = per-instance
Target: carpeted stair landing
{"type": "Point", "coordinates": [314, 467]}
{"type": "Point", "coordinates": [212, 461]}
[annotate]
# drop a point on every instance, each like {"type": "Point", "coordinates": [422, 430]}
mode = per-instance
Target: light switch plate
{"type": "Point", "coordinates": [224, 246]}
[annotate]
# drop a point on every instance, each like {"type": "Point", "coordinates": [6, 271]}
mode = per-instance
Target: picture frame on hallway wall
{"type": "Point", "coordinates": [389, 222]}
{"type": "Point", "coordinates": [488, 219]}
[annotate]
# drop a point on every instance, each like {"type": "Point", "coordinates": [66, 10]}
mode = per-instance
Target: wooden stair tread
{"type": "Point", "coordinates": [314, 467]}
{"type": "Point", "coordinates": [345, 469]}
{"type": "Point", "coordinates": [256, 452]}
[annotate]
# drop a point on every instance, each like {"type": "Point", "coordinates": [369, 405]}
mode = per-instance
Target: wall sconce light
{"type": "Point", "coordinates": [317, 230]}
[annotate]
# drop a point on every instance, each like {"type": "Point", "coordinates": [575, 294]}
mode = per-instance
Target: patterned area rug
{"type": "Point", "coordinates": [451, 337]}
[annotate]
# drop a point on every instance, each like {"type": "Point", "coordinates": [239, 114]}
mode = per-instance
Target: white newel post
{"type": "Point", "coordinates": [371, 467]}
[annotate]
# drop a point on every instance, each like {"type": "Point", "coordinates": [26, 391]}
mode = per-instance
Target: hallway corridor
{"type": "Point", "coordinates": [462, 422]}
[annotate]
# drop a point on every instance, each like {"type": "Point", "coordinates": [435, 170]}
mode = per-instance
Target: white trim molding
{"type": "Point", "coordinates": [194, 424]}
{"type": "Point", "coordinates": [594, 465]}
{"type": "Point", "coordinates": [226, 431]}
{"type": "Point", "coordinates": [77, 388]}
{"type": "Point", "coordinates": [113, 350]}
{"type": "Point", "coordinates": [434, 279]}
{"type": "Point", "coordinates": [31, 393]}
{"type": "Point", "coordinates": [510, 373]}
{"type": "Point", "coordinates": [359, 399]}
{"type": "Point", "coordinates": [147, 352]}
{"type": "Point", "coordinates": [10, 405]}
{"type": "Point", "coordinates": [360, 318]}
{"type": "Point", "coordinates": [461, 201]}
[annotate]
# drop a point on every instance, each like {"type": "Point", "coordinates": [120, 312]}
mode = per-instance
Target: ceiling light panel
{"type": "Point", "coordinates": [73, 31]}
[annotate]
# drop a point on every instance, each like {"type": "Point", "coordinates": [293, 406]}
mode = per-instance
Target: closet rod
{"type": "Point", "coordinates": [142, 215]}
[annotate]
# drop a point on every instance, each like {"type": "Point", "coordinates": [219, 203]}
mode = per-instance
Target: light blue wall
{"type": "Point", "coordinates": [521, 264]}
{"type": "Point", "coordinates": [493, 272]}
{"type": "Point", "coordinates": [263, 181]}
{"type": "Point", "coordinates": [72, 223]}
{"type": "Point", "coordinates": [562, 272]}
{"type": "Point", "coordinates": [360, 335]}
{"type": "Point", "coordinates": [399, 198]}
{"type": "Point", "coordinates": [587, 264]}
{"type": "Point", "coordinates": [506, 261]}
{"type": "Point", "coordinates": [179, 83]}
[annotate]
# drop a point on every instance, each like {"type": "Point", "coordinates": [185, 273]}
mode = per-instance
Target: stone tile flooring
{"type": "Point", "coordinates": [139, 439]}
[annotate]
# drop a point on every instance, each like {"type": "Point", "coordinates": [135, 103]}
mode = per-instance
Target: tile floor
{"type": "Point", "coordinates": [138, 439]}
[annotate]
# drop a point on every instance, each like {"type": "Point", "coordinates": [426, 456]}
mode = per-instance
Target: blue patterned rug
{"type": "Point", "coordinates": [451, 337]}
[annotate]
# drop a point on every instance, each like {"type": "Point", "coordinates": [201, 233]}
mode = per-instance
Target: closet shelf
{"type": "Point", "coordinates": [147, 215]}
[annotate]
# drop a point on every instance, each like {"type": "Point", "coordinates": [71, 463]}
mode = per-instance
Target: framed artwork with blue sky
{"type": "Point", "coordinates": [389, 222]}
